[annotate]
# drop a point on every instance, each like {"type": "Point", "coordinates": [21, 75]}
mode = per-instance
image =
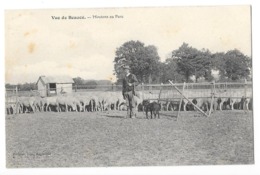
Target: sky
{"type": "Point", "coordinates": [36, 44]}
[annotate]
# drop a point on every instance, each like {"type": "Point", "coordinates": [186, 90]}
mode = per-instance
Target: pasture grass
{"type": "Point", "coordinates": [96, 139]}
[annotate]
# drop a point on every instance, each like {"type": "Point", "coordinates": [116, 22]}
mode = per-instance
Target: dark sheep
{"type": "Point", "coordinates": [153, 107]}
{"type": "Point", "coordinates": [241, 103]}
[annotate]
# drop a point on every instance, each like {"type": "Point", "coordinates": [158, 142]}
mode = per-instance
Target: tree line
{"type": "Point", "coordinates": [185, 64]}
{"type": "Point", "coordinates": [78, 81]}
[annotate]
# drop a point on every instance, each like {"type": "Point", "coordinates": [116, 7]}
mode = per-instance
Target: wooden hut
{"type": "Point", "coordinates": [53, 85]}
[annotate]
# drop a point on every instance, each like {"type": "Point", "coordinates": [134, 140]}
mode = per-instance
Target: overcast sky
{"type": "Point", "coordinates": [38, 45]}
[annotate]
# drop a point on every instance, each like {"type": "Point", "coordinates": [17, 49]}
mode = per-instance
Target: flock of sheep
{"type": "Point", "coordinates": [90, 101]}
{"type": "Point", "coordinates": [101, 101]}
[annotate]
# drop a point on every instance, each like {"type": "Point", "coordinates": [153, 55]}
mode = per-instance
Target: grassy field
{"type": "Point", "coordinates": [107, 139]}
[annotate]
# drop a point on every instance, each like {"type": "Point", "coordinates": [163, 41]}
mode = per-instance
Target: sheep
{"type": "Point", "coordinates": [110, 98]}
{"type": "Point", "coordinates": [234, 101]}
{"type": "Point", "coordinates": [248, 104]}
{"type": "Point", "coordinates": [26, 103]}
{"type": "Point", "coordinates": [67, 101]}
{"type": "Point", "coordinates": [94, 102]}
{"type": "Point", "coordinates": [223, 103]}
{"type": "Point", "coordinates": [85, 101]}
{"type": "Point", "coordinates": [11, 108]}
{"type": "Point", "coordinates": [202, 103]}
{"type": "Point", "coordinates": [39, 103]}
{"type": "Point", "coordinates": [50, 101]}
{"type": "Point", "coordinates": [121, 102]}
{"type": "Point", "coordinates": [138, 101]}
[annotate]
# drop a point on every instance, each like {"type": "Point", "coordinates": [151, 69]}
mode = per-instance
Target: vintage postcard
{"type": "Point", "coordinates": [123, 87]}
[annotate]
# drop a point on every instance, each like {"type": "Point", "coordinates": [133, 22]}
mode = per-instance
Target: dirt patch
{"type": "Point", "coordinates": [108, 139]}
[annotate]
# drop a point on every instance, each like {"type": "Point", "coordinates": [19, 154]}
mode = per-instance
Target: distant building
{"type": "Point", "coordinates": [53, 85]}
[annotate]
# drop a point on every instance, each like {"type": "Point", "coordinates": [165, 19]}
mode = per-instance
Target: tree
{"type": "Point", "coordinates": [184, 55]}
{"type": "Point", "coordinates": [237, 65]}
{"type": "Point", "coordinates": [169, 71]}
{"type": "Point", "coordinates": [92, 84]}
{"type": "Point", "coordinates": [232, 65]}
{"type": "Point", "coordinates": [27, 86]}
{"type": "Point", "coordinates": [217, 60]}
{"type": "Point", "coordinates": [218, 63]}
{"type": "Point", "coordinates": [191, 61]}
{"type": "Point", "coordinates": [142, 60]}
{"type": "Point", "coordinates": [9, 86]}
{"type": "Point", "coordinates": [78, 81]}
{"type": "Point", "coordinates": [202, 65]}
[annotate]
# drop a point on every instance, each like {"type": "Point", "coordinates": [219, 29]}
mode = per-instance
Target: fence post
{"type": "Point", "coordinates": [245, 87]}
{"type": "Point", "coordinates": [160, 93]}
{"type": "Point", "coordinates": [142, 89]}
{"type": "Point", "coordinates": [226, 87]}
{"type": "Point", "coordinates": [113, 89]}
{"type": "Point", "coordinates": [75, 88]}
{"type": "Point", "coordinates": [212, 97]}
{"type": "Point", "coordinates": [16, 99]}
{"type": "Point", "coordinates": [183, 88]}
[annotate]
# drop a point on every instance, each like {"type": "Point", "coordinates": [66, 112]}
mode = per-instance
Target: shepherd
{"type": "Point", "coordinates": [129, 83]}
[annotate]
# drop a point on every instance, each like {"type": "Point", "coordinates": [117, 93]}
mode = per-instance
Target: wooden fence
{"type": "Point", "coordinates": [154, 91]}
{"type": "Point", "coordinates": [198, 90]}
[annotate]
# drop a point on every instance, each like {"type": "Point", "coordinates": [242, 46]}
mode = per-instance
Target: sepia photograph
{"type": "Point", "coordinates": [129, 87]}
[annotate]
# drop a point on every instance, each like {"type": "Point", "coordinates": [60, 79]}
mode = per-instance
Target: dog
{"type": "Point", "coordinates": [153, 107]}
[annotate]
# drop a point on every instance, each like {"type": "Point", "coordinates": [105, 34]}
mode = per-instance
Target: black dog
{"type": "Point", "coordinates": [153, 107]}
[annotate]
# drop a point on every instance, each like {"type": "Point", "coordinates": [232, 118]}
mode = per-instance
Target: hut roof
{"type": "Point", "coordinates": [55, 79]}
